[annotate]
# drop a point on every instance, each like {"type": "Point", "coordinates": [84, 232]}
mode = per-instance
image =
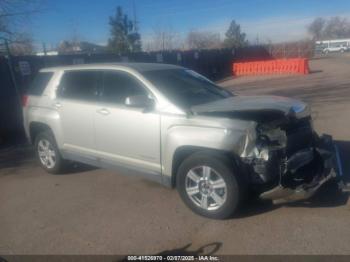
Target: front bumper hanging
{"type": "Point", "coordinates": [331, 168]}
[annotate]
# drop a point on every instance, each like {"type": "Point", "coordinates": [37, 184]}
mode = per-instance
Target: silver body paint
{"type": "Point", "coordinates": [145, 142]}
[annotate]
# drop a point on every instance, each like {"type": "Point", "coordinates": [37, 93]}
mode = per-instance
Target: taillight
{"type": "Point", "coordinates": [25, 100]}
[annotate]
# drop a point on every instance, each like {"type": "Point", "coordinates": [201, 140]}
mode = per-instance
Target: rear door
{"type": "Point", "coordinates": [125, 136]}
{"type": "Point", "coordinates": [76, 100]}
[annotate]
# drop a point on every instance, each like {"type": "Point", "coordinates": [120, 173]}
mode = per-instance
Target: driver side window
{"type": "Point", "coordinates": [117, 86]}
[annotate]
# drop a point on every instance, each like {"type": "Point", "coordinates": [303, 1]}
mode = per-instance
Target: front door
{"type": "Point", "coordinates": [125, 136]}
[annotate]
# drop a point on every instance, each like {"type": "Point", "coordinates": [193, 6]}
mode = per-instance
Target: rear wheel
{"type": "Point", "coordinates": [209, 185]}
{"type": "Point", "coordinates": [48, 154]}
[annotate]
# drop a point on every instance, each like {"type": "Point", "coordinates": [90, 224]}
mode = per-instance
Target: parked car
{"type": "Point", "coordinates": [336, 45]}
{"type": "Point", "coordinates": [174, 126]}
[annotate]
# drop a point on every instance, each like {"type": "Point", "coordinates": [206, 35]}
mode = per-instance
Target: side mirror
{"type": "Point", "coordinates": [141, 101]}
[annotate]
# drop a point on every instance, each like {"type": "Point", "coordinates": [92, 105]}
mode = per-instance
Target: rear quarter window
{"type": "Point", "coordinates": [80, 85]}
{"type": "Point", "coordinates": [39, 83]}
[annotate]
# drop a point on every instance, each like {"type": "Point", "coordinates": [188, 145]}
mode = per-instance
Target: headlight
{"type": "Point", "coordinates": [301, 113]}
{"type": "Point", "coordinates": [264, 154]}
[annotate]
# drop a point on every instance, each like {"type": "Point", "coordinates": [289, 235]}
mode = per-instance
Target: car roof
{"type": "Point", "coordinates": [140, 67]}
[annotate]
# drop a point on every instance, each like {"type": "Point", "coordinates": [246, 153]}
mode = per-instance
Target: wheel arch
{"type": "Point", "coordinates": [35, 128]}
{"type": "Point", "coordinates": [183, 152]}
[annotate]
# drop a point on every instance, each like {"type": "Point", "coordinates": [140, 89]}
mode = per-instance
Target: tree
{"type": "Point", "coordinates": [337, 27]}
{"type": "Point", "coordinates": [22, 45]}
{"type": "Point", "coordinates": [124, 38]}
{"type": "Point", "coordinates": [14, 14]}
{"type": "Point", "coordinates": [316, 28]}
{"type": "Point", "coordinates": [234, 37]}
{"type": "Point", "coordinates": [203, 40]}
{"type": "Point", "coordinates": [334, 27]}
{"type": "Point", "coordinates": [163, 38]}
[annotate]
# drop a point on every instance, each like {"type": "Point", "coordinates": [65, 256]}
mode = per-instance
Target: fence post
{"type": "Point", "coordinates": [12, 72]}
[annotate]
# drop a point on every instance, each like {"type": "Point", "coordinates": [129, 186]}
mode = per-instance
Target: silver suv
{"type": "Point", "coordinates": [174, 126]}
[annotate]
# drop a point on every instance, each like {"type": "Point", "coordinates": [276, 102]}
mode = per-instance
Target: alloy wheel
{"type": "Point", "coordinates": [206, 188]}
{"type": "Point", "coordinates": [46, 153]}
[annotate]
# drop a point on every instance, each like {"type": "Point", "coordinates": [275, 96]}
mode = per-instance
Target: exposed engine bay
{"type": "Point", "coordinates": [284, 157]}
{"type": "Point", "coordinates": [290, 160]}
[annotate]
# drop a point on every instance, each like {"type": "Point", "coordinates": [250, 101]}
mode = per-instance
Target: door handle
{"type": "Point", "coordinates": [57, 105]}
{"type": "Point", "coordinates": [103, 111]}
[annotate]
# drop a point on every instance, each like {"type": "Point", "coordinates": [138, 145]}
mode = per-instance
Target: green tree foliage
{"type": "Point", "coordinates": [124, 38]}
{"type": "Point", "coordinates": [234, 36]}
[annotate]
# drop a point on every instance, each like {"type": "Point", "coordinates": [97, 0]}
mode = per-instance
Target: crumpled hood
{"type": "Point", "coordinates": [255, 104]}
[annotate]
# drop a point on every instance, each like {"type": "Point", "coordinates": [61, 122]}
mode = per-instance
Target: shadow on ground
{"type": "Point", "coordinates": [15, 156]}
{"type": "Point", "coordinates": [329, 195]}
{"type": "Point", "coordinates": [315, 71]}
{"type": "Point", "coordinates": [23, 156]}
{"type": "Point", "coordinates": [206, 250]}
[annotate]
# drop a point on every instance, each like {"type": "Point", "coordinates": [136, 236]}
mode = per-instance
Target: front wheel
{"type": "Point", "coordinates": [209, 185]}
{"type": "Point", "coordinates": [48, 154]}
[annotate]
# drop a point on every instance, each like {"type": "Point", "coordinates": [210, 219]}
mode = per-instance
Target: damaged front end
{"type": "Point", "coordinates": [285, 159]}
{"type": "Point", "coordinates": [289, 160]}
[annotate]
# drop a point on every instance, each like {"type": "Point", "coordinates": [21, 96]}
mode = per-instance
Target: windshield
{"type": "Point", "coordinates": [185, 88]}
{"type": "Point", "coordinates": [321, 46]}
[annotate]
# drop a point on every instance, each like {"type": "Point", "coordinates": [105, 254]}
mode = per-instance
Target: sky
{"type": "Point", "coordinates": [266, 20]}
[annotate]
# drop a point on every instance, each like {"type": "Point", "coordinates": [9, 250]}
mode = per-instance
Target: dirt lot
{"type": "Point", "coordinates": [99, 212]}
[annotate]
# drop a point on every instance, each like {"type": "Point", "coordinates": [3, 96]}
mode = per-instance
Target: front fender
{"type": "Point", "coordinates": [236, 140]}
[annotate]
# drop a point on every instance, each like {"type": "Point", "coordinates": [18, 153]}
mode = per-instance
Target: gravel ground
{"type": "Point", "coordinates": [94, 211]}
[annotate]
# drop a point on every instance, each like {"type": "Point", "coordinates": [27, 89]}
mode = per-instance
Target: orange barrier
{"type": "Point", "coordinates": [276, 66]}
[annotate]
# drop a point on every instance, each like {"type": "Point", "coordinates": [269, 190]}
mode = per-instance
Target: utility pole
{"type": "Point", "coordinates": [135, 27]}
{"type": "Point", "coordinates": [257, 39]}
{"type": "Point", "coordinates": [44, 49]}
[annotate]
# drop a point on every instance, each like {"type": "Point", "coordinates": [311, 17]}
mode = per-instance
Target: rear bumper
{"type": "Point", "coordinates": [327, 166]}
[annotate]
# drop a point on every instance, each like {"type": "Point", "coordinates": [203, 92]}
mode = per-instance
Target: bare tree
{"type": "Point", "coordinates": [164, 38]}
{"type": "Point", "coordinates": [334, 27]}
{"type": "Point", "coordinates": [73, 42]}
{"type": "Point", "coordinates": [22, 45]}
{"type": "Point", "coordinates": [75, 36]}
{"type": "Point", "coordinates": [203, 40]}
{"type": "Point", "coordinates": [13, 15]}
{"type": "Point", "coordinates": [316, 28]}
{"type": "Point", "coordinates": [337, 27]}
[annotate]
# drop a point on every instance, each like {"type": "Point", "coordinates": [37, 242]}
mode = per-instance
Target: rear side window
{"type": "Point", "coordinates": [117, 86]}
{"type": "Point", "coordinates": [81, 85]}
{"type": "Point", "coordinates": [39, 83]}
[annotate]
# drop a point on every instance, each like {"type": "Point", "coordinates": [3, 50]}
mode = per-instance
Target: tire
{"type": "Point", "coordinates": [46, 147]}
{"type": "Point", "coordinates": [220, 167]}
